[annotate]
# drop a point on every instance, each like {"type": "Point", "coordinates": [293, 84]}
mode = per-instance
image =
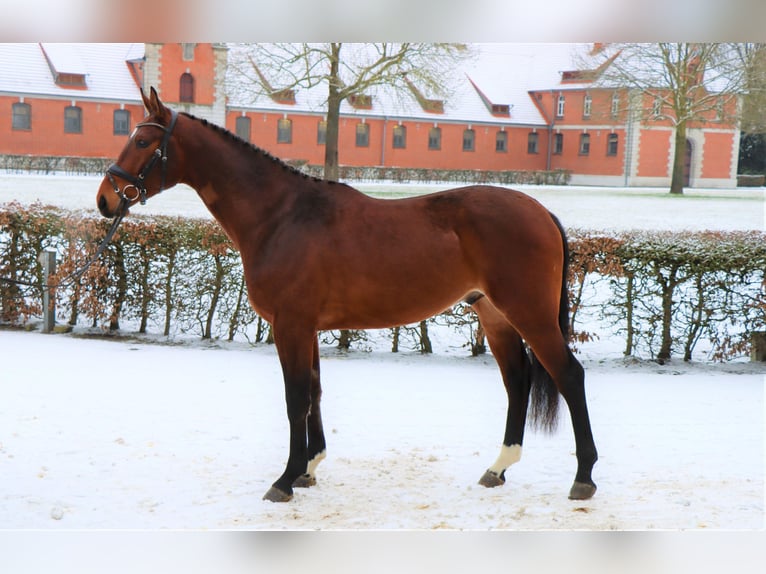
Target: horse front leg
{"type": "Point", "coordinates": [295, 347]}
{"type": "Point", "coordinates": [317, 447]}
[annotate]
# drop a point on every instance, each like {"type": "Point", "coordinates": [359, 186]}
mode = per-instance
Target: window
{"type": "Point", "coordinates": [435, 138]}
{"type": "Point", "coordinates": [400, 137]}
{"type": "Point", "coordinates": [72, 120]}
{"type": "Point", "coordinates": [469, 140]}
{"type": "Point", "coordinates": [532, 142]}
{"type": "Point", "coordinates": [186, 88]}
{"type": "Point", "coordinates": [322, 132]}
{"type": "Point", "coordinates": [285, 131]}
{"type": "Point", "coordinates": [587, 105]}
{"type": "Point", "coordinates": [501, 141]}
{"type": "Point", "coordinates": [657, 107]}
{"type": "Point", "coordinates": [362, 135]}
{"type": "Point", "coordinates": [242, 127]}
{"type": "Point", "coordinates": [720, 111]}
{"type": "Point", "coordinates": [188, 50]}
{"type": "Point", "coordinates": [584, 144]}
{"type": "Point", "coordinates": [22, 116]}
{"type": "Point", "coordinates": [615, 104]}
{"type": "Point", "coordinates": [560, 106]}
{"type": "Point", "coordinates": [121, 122]}
{"type": "Point", "coordinates": [558, 144]}
{"type": "Point", "coordinates": [611, 144]}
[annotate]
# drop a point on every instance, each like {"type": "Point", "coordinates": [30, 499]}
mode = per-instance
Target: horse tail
{"type": "Point", "coordinates": [544, 395]}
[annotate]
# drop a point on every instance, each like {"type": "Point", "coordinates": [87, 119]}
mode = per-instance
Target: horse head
{"type": "Point", "coordinates": [142, 169]}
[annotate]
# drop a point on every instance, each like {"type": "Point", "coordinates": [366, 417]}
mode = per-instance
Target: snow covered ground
{"type": "Point", "coordinates": [131, 434]}
{"type": "Point", "coordinates": [103, 434]}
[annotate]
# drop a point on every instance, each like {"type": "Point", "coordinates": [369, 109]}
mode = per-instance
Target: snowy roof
{"type": "Point", "coordinates": [499, 75]}
{"type": "Point", "coordinates": [25, 70]}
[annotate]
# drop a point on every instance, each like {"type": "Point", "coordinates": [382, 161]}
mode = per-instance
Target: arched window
{"type": "Point", "coordinates": [435, 138]}
{"type": "Point", "coordinates": [242, 127]}
{"type": "Point", "coordinates": [558, 143]}
{"type": "Point", "coordinates": [186, 89]}
{"type": "Point", "coordinates": [121, 122]}
{"type": "Point", "coordinates": [612, 142]}
{"type": "Point", "coordinates": [469, 140]}
{"type": "Point", "coordinates": [73, 120]}
{"type": "Point", "coordinates": [400, 137]}
{"type": "Point", "coordinates": [615, 104]}
{"type": "Point", "coordinates": [322, 132]}
{"type": "Point", "coordinates": [22, 116]}
{"type": "Point", "coordinates": [532, 140]}
{"type": "Point", "coordinates": [362, 135]}
{"type": "Point", "coordinates": [501, 141]}
{"type": "Point", "coordinates": [587, 105]}
{"type": "Point", "coordinates": [285, 131]}
{"type": "Point", "coordinates": [584, 144]}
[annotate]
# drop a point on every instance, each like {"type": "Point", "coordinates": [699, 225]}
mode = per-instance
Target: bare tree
{"type": "Point", "coordinates": [350, 72]}
{"type": "Point", "coordinates": [680, 83]}
{"type": "Point", "coordinates": [749, 59]}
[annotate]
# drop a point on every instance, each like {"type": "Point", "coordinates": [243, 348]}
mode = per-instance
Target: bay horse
{"type": "Point", "coordinates": [320, 255]}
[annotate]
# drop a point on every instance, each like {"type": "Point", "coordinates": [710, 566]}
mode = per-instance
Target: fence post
{"type": "Point", "coordinates": [48, 261]}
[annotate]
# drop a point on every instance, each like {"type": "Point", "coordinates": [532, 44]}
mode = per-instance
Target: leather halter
{"type": "Point", "coordinates": [138, 183]}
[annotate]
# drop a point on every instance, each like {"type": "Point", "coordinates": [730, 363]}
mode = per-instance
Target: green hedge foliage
{"type": "Point", "coordinates": [662, 292]}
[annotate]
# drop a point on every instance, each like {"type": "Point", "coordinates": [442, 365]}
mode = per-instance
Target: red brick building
{"type": "Point", "coordinates": [517, 107]}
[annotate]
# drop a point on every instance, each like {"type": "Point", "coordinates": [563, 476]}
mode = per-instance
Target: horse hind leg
{"type": "Point", "coordinates": [565, 370]}
{"type": "Point", "coordinates": [317, 446]}
{"type": "Point", "coordinates": [508, 350]}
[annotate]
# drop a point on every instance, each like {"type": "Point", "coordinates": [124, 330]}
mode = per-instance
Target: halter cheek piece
{"type": "Point", "coordinates": [138, 183]}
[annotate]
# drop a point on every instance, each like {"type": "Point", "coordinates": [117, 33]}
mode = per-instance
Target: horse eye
{"type": "Point", "coordinates": [142, 143]}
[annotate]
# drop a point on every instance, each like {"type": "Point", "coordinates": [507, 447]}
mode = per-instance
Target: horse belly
{"type": "Point", "coordinates": [397, 291]}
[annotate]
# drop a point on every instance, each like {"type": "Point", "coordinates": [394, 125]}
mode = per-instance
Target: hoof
{"type": "Point", "coordinates": [582, 491]}
{"type": "Point", "coordinates": [304, 481]}
{"type": "Point", "coordinates": [490, 479]}
{"type": "Point", "coordinates": [276, 495]}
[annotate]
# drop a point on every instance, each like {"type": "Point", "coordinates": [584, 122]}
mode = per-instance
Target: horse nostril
{"type": "Point", "coordinates": [102, 207]}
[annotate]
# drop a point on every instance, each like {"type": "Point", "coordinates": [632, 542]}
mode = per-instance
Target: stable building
{"type": "Point", "coordinates": [515, 107]}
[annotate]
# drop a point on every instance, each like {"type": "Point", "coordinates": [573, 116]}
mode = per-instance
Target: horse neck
{"type": "Point", "coordinates": [241, 185]}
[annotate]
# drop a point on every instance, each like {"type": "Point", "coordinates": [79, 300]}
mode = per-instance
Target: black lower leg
{"type": "Point", "coordinates": [574, 394]}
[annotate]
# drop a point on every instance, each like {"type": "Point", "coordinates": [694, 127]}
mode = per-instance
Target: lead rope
{"type": "Point", "coordinates": [77, 273]}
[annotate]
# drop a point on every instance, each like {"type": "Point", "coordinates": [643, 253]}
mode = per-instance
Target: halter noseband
{"type": "Point", "coordinates": [138, 183]}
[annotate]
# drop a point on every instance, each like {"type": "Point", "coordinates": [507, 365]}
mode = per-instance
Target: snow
{"type": "Point", "coordinates": [104, 434]}
{"type": "Point", "coordinates": [131, 433]}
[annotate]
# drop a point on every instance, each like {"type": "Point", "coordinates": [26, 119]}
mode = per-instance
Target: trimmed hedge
{"type": "Point", "coordinates": [663, 292]}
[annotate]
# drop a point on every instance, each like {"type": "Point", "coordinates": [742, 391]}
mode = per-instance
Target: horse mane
{"type": "Point", "coordinates": [255, 149]}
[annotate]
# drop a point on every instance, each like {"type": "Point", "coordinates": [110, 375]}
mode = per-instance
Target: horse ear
{"type": "Point", "coordinates": [147, 103]}
{"type": "Point", "coordinates": [152, 103]}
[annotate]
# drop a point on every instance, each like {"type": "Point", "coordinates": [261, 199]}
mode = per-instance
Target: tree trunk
{"type": "Point", "coordinates": [395, 339]}
{"type": "Point", "coordinates": [334, 99]}
{"type": "Point", "coordinates": [679, 161]}
{"type": "Point", "coordinates": [629, 315]}
{"type": "Point", "coordinates": [668, 287]}
{"type": "Point", "coordinates": [425, 340]}
{"type": "Point", "coordinates": [169, 291]}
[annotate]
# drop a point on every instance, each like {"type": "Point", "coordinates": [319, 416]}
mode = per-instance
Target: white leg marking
{"type": "Point", "coordinates": [314, 462]}
{"type": "Point", "coordinates": [508, 456]}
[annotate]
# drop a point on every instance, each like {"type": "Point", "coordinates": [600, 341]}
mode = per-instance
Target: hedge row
{"type": "Point", "coordinates": [427, 175]}
{"type": "Point", "coordinates": [662, 292]}
{"type": "Point", "coordinates": [92, 165]}
{"type": "Point", "coordinates": [47, 164]}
